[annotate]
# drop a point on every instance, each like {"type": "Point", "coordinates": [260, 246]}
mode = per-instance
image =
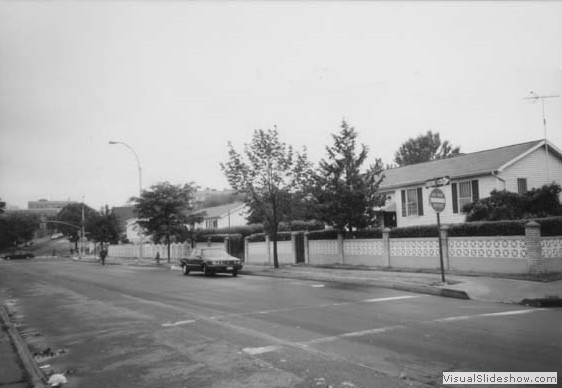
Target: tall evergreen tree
{"type": "Point", "coordinates": [345, 195]}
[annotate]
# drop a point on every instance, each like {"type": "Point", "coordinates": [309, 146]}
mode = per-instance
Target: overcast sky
{"type": "Point", "coordinates": [177, 80]}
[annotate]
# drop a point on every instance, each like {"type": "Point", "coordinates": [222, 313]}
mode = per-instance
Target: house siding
{"type": "Point", "coordinates": [533, 168]}
{"type": "Point", "coordinates": [237, 218]}
{"type": "Point", "coordinates": [485, 186]}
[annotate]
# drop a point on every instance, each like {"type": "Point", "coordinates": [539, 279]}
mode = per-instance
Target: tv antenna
{"type": "Point", "coordinates": [535, 97]}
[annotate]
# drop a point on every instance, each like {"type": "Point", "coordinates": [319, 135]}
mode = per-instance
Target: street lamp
{"type": "Point", "coordinates": [140, 183]}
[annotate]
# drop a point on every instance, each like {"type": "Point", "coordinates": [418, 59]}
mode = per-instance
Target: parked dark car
{"type": "Point", "coordinates": [18, 255]}
{"type": "Point", "coordinates": [211, 261]}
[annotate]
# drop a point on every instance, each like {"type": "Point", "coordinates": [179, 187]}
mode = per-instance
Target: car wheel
{"type": "Point", "coordinates": [185, 270]}
{"type": "Point", "coordinates": [7, 258]}
{"type": "Point", "coordinates": [235, 272]}
{"type": "Point", "coordinates": [28, 257]}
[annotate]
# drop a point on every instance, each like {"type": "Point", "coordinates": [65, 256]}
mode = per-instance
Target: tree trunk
{"type": "Point", "coordinates": [275, 258]}
{"type": "Point", "coordinates": [275, 228]}
{"type": "Point", "coordinates": [168, 244]}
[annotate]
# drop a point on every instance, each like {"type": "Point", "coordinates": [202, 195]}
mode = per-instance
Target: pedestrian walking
{"type": "Point", "coordinates": [103, 255]}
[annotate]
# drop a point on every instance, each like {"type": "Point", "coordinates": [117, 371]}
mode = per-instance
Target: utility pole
{"type": "Point", "coordinates": [535, 97]}
{"type": "Point", "coordinates": [82, 232]}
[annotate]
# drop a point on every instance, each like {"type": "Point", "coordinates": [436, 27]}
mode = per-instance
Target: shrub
{"type": "Point", "coordinates": [551, 226]}
{"type": "Point", "coordinates": [505, 205]}
{"type": "Point", "coordinates": [488, 228]}
{"type": "Point", "coordinates": [329, 234]}
{"type": "Point", "coordinates": [414, 231]}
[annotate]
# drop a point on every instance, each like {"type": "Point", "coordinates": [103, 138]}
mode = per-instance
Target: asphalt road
{"type": "Point", "coordinates": [120, 326]}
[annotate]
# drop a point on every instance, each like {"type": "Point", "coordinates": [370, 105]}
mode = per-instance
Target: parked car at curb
{"type": "Point", "coordinates": [18, 255]}
{"type": "Point", "coordinates": [211, 261]}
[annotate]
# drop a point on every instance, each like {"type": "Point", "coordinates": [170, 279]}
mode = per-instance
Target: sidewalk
{"type": "Point", "coordinates": [17, 370]}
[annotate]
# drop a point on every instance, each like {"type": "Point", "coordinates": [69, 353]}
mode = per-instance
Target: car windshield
{"type": "Point", "coordinates": [213, 253]}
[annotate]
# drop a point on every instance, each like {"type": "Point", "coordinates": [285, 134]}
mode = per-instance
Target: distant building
{"type": "Point", "coordinates": [222, 217]}
{"type": "Point", "coordinates": [47, 208]}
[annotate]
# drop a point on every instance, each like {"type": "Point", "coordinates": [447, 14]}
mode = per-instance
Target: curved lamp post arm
{"type": "Point", "coordinates": [137, 159]}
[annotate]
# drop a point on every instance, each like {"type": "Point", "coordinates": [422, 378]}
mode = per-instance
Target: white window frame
{"type": "Point", "coordinates": [411, 202]}
{"type": "Point", "coordinates": [464, 195]}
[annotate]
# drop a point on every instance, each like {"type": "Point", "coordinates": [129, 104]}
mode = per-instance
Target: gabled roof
{"type": "Point", "coordinates": [461, 166]}
{"type": "Point", "coordinates": [219, 211]}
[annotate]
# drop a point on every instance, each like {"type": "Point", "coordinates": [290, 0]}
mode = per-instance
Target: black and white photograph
{"type": "Point", "coordinates": [280, 193]}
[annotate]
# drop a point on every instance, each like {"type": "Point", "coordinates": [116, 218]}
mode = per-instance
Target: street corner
{"type": "Point", "coordinates": [548, 301]}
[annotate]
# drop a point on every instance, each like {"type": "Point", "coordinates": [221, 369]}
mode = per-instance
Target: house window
{"type": "Point", "coordinates": [521, 185]}
{"type": "Point", "coordinates": [412, 202]}
{"type": "Point", "coordinates": [211, 224]}
{"type": "Point", "coordinates": [465, 193]}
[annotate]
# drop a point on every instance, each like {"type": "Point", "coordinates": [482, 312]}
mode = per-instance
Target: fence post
{"type": "Point", "coordinates": [340, 248]}
{"type": "Point", "coordinates": [246, 249]}
{"type": "Point", "coordinates": [534, 257]}
{"type": "Point", "coordinates": [444, 235]}
{"type": "Point", "coordinates": [268, 248]}
{"type": "Point", "coordinates": [306, 251]}
{"type": "Point", "coordinates": [226, 244]}
{"type": "Point", "coordinates": [294, 246]}
{"type": "Point", "coordinates": [386, 246]}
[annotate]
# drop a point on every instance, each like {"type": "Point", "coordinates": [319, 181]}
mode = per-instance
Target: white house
{"type": "Point", "coordinates": [223, 216]}
{"type": "Point", "coordinates": [516, 168]}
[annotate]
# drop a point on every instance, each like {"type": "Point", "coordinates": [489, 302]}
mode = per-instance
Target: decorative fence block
{"type": "Point", "coordinates": [551, 247]}
{"type": "Point", "coordinates": [488, 247]}
{"type": "Point", "coordinates": [323, 247]}
{"type": "Point", "coordinates": [149, 251]}
{"type": "Point", "coordinates": [414, 247]}
{"type": "Point", "coordinates": [366, 247]}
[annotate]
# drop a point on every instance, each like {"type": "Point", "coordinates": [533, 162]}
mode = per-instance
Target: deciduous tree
{"type": "Point", "coordinates": [71, 218]}
{"type": "Point", "coordinates": [270, 175]}
{"type": "Point", "coordinates": [17, 228]}
{"type": "Point", "coordinates": [103, 227]}
{"type": "Point", "coordinates": [163, 211]}
{"type": "Point", "coordinates": [423, 149]}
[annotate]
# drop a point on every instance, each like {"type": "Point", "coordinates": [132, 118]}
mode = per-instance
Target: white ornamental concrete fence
{"type": "Point", "coordinates": [149, 251]}
{"type": "Point", "coordinates": [528, 254]}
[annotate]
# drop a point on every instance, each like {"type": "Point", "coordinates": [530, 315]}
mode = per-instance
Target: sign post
{"type": "Point", "coordinates": [437, 202]}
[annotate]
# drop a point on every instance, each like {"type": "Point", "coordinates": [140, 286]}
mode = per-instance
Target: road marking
{"type": "Point", "coordinates": [317, 285]}
{"type": "Point", "coordinates": [178, 323]}
{"type": "Point", "coordinates": [352, 334]}
{"type": "Point", "coordinates": [500, 314]}
{"type": "Point", "coordinates": [263, 349]}
{"type": "Point", "coordinates": [391, 298]}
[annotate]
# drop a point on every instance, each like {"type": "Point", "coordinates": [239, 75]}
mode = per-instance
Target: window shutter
{"type": "Point", "coordinates": [475, 194]}
{"type": "Point", "coordinates": [420, 202]}
{"type": "Point", "coordinates": [455, 199]}
{"type": "Point", "coordinates": [403, 193]}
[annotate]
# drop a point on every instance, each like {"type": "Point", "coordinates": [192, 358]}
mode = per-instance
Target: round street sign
{"type": "Point", "coordinates": [437, 200]}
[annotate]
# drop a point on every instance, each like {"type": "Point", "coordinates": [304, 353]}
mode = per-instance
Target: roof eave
{"type": "Point", "coordinates": [418, 183]}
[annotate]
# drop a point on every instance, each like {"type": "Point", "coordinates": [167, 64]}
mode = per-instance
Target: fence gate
{"type": "Point", "coordinates": [299, 242]}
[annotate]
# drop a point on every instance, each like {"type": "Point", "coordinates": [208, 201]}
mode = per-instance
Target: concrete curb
{"type": "Point", "coordinates": [37, 377]}
{"type": "Point", "coordinates": [409, 287]}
